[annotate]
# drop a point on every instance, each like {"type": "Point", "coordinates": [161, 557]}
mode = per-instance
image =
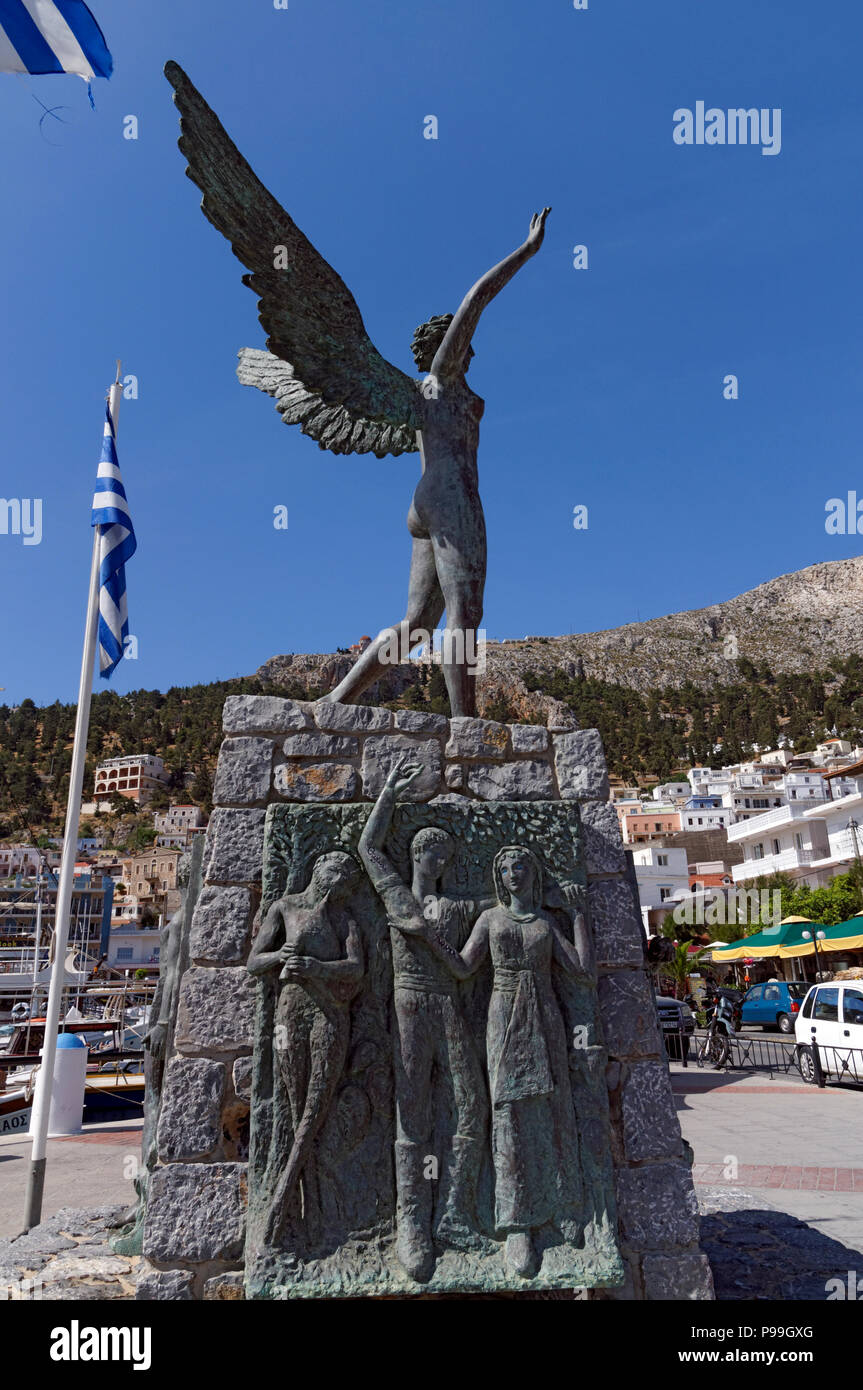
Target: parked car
{"type": "Point", "coordinates": [775, 1004]}
{"type": "Point", "coordinates": [677, 1022]}
{"type": "Point", "coordinates": [832, 1016]}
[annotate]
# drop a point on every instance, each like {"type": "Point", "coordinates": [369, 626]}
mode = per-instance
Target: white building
{"type": "Point", "coordinates": [698, 779]}
{"type": "Point", "coordinates": [133, 947]}
{"type": "Point", "coordinates": [706, 817]}
{"type": "Point", "coordinates": [778, 757]}
{"type": "Point", "coordinates": [177, 819]}
{"type": "Point", "coordinates": [19, 859]}
{"type": "Point", "coordinates": [746, 802]}
{"type": "Point", "coordinates": [663, 880]}
{"type": "Point", "coordinates": [809, 840]}
{"type": "Point", "coordinates": [671, 791]}
{"type": "Point", "coordinates": [805, 786]}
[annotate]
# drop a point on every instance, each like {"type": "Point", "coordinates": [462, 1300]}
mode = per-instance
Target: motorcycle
{"type": "Point", "coordinates": [724, 1014]}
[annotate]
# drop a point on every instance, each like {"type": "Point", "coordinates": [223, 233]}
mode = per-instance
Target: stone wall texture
{"type": "Point", "coordinates": [278, 750]}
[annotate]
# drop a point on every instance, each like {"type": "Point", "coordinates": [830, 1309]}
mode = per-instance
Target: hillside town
{"type": "Point", "coordinates": [724, 829]}
{"type": "Point", "coordinates": [122, 898]}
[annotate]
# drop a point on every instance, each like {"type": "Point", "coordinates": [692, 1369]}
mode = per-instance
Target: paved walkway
{"type": "Point", "coordinates": [779, 1175]}
{"type": "Point", "coordinates": [787, 1176]}
{"type": "Point", "coordinates": [87, 1170]}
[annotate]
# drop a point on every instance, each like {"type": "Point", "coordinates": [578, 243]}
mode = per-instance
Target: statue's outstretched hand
{"type": "Point", "coordinates": [402, 774]}
{"type": "Point", "coordinates": [537, 229]}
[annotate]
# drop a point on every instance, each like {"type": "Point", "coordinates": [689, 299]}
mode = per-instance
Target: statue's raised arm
{"type": "Point", "coordinates": [449, 358]}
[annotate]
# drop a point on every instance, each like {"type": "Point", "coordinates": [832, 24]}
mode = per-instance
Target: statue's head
{"type": "Point", "coordinates": [428, 338]}
{"type": "Point", "coordinates": [431, 850]}
{"type": "Point", "coordinates": [517, 871]}
{"type": "Point", "coordinates": [337, 874]}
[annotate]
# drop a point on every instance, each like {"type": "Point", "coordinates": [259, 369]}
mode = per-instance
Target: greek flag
{"type": "Point", "coordinates": [43, 36]}
{"type": "Point", "coordinates": [117, 544]}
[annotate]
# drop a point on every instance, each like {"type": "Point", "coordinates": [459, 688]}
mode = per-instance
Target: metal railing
{"type": "Point", "coordinates": [747, 1053]}
{"type": "Point", "coordinates": [771, 1055]}
{"type": "Point", "coordinates": [836, 1064]}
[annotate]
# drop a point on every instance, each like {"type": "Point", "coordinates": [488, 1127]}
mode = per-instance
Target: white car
{"type": "Point", "coordinates": [832, 1017]}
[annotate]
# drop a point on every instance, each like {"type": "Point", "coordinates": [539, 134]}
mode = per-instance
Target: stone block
{"type": "Point", "coordinates": [527, 780]}
{"type": "Point", "coordinates": [244, 772]}
{"type": "Point", "coordinates": [579, 761]}
{"type": "Point", "coordinates": [528, 738]}
{"type": "Point", "coordinates": [216, 1009]}
{"type": "Point", "coordinates": [617, 930]}
{"type": "Point", "coordinates": [317, 745]}
{"type": "Point", "coordinates": [191, 1110]}
{"type": "Point", "coordinates": [35, 1242]}
{"type": "Point", "coordinates": [168, 1285]}
{"type": "Point", "coordinates": [225, 1288]}
{"type": "Point", "coordinates": [316, 781]}
{"type": "Point", "coordinates": [196, 1212]}
{"type": "Point", "coordinates": [454, 776]}
{"type": "Point", "coordinates": [477, 738]}
{"type": "Point", "coordinates": [220, 925]}
{"type": "Point", "coordinates": [242, 1078]}
{"type": "Point", "coordinates": [332, 716]}
{"type": "Point", "coordinates": [560, 718]}
{"type": "Point", "coordinates": [604, 852]}
{"type": "Point", "coordinates": [677, 1278]}
{"type": "Point", "coordinates": [650, 1125]}
{"type": "Point", "coordinates": [382, 751]}
{"type": "Point", "coordinates": [67, 1267]}
{"type": "Point", "coordinates": [415, 721]}
{"type": "Point", "coordinates": [72, 1290]}
{"type": "Point", "coordinates": [657, 1206]}
{"type": "Point", "coordinates": [235, 846]}
{"type": "Point", "coordinates": [264, 714]}
{"type": "Point", "coordinates": [628, 1012]}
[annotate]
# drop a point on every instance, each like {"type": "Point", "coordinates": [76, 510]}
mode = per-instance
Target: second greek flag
{"type": "Point", "coordinates": [117, 544]}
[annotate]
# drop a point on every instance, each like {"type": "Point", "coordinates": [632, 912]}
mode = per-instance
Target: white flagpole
{"type": "Point", "coordinates": [44, 1080]}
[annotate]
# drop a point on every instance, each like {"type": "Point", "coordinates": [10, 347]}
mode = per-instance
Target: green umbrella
{"type": "Point", "coordinates": [770, 941]}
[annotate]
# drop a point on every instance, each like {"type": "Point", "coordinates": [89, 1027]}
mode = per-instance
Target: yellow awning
{"type": "Point", "coordinates": [807, 948]}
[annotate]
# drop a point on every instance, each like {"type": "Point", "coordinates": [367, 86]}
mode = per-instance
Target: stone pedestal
{"type": "Point", "coordinates": [283, 752]}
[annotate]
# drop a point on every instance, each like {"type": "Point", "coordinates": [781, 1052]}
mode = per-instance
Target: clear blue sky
{"type": "Point", "coordinates": [602, 387]}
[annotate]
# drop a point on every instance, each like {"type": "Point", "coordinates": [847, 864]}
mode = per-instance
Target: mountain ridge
{"type": "Point", "coordinates": [793, 624]}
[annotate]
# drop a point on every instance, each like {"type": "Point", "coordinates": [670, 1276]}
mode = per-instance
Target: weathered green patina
{"type": "Point", "coordinates": [408, 1077]}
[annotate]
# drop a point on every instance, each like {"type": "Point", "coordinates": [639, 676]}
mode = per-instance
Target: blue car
{"type": "Point", "coordinates": [775, 1004]}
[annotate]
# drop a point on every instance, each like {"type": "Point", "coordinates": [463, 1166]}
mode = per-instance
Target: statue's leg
{"type": "Point", "coordinates": [460, 560]}
{"type": "Point", "coordinates": [328, 1048]}
{"type": "Point", "coordinates": [414, 1057]}
{"type": "Point", "coordinates": [424, 609]}
{"type": "Point", "coordinates": [293, 1053]}
{"type": "Point", "coordinates": [460, 1063]}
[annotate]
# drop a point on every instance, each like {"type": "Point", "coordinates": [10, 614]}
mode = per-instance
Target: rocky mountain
{"type": "Point", "coordinates": [793, 624]}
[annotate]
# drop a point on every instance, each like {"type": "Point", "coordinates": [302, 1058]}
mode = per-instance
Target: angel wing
{"type": "Point", "coordinates": [322, 368]}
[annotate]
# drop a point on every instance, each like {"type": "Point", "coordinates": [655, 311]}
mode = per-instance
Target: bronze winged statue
{"type": "Point", "coordinates": [327, 377]}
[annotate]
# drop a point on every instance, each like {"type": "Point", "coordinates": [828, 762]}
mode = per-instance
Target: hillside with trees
{"type": "Point", "coordinates": [647, 736]}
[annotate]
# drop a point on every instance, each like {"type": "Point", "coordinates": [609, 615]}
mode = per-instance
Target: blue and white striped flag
{"type": "Point", "coordinates": [117, 544]}
{"type": "Point", "coordinates": [44, 36]}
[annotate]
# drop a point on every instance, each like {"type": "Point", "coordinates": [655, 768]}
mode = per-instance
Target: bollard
{"type": "Point", "coordinates": [67, 1092]}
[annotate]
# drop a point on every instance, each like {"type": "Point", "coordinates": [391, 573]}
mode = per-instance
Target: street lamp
{"type": "Point", "coordinates": [815, 937]}
{"type": "Point", "coordinates": [853, 826]}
